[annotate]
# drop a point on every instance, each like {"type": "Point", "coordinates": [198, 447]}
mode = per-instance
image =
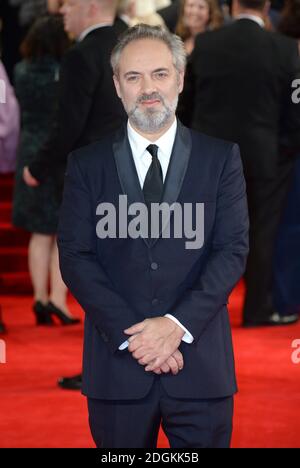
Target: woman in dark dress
{"type": "Point", "coordinates": [287, 258]}
{"type": "Point", "coordinates": [36, 209]}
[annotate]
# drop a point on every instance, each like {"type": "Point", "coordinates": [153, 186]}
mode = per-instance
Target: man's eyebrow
{"type": "Point", "coordinates": [157, 70]}
{"type": "Point", "coordinates": [132, 73]}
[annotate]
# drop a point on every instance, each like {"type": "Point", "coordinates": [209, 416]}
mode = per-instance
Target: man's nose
{"type": "Point", "coordinates": [148, 85]}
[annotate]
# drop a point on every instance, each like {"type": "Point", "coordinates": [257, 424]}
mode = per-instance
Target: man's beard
{"type": "Point", "coordinates": [152, 120]}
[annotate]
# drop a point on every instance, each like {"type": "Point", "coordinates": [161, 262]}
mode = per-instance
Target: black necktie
{"type": "Point", "coordinates": [153, 185]}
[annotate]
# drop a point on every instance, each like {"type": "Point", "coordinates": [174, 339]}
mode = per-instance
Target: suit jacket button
{"type": "Point", "coordinates": [154, 266]}
{"type": "Point", "coordinates": [155, 302]}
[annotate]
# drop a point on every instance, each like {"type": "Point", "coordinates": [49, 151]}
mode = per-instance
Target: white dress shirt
{"type": "Point", "coordinates": [126, 19]}
{"type": "Point", "coordinates": [256, 19]}
{"type": "Point", "coordinates": [143, 159]}
{"type": "Point", "coordinates": [92, 28]}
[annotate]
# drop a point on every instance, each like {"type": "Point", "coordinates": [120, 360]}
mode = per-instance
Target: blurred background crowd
{"type": "Point", "coordinates": [242, 83]}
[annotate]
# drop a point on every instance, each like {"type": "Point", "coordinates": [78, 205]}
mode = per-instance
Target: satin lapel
{"type": "Point", "coordinates": [177, 169]}
{"type": "Point", "coordinates": [126, 169]}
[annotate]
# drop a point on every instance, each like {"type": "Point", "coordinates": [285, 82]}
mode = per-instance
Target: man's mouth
{"type": "Point", "coordinates": [151, 103]}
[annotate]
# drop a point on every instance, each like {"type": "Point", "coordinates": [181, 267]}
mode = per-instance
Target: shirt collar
{"type": "Point", "coordinates": [127, 20]}
{"type": "Point", "coordinates": [90, 29]}
{"type": "Point", "coordinates": [254, 18]}
{"type": "Point", "coordinates": [139, 143]}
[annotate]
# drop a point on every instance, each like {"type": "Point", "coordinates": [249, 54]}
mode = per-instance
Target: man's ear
{"type": "Point", "coordinates": [181, 75]}
{"type": "Point", "coordinates": [117, 85]}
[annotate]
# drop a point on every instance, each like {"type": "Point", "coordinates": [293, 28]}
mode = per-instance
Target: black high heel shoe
{"type": "Point", "coordinates": [41, 314]}
{"type": "Point", "coordinates": [65, 319]}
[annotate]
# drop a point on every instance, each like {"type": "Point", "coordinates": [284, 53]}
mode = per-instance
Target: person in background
{"type": "Point", "coordinates": [54, 6]}
{"type": "Point", "coordinates": [88, 107]}
{"type": "Point", "coordinates": [11, 36]}
{"type": "Point", "coordinates": [29, 11]}
{"type": "Point", "coordinates": [36, 210]}
{"type": "Point", "coordinates": [145, 11]}
{"type": "Point", "coordinates": [170, 14]}
{"type": "Point", "coordinates": [131, 12]}
{"type": "Point", "coordinates": [126, 13]}
{"type": "Point", "coordinates": [9, 124]}
{"type": "Point", "coordinates": [17, 16]}
{"type": "Point", "coordinates": [225, 6]}
{"type": "Point", "coordinates": [287, 255]}
{"type": "Point", "coordinates": [197, 16]}
{"type": "Point", "coordinates": [238, 88]}
{"type": "Point", "coordinates": [160, 4]}
{"type": "Point", "coordinates": [289, 23]}
{"type": "Point", "coordinates": [275, 12]}
{"type": "Point", "coordinates": [9, 134]}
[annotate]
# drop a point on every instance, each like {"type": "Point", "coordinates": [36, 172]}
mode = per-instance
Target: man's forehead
{"type": "Point", "coordinates": [139, 47]}
{"type": "Point", "coordinates": [146, 53]}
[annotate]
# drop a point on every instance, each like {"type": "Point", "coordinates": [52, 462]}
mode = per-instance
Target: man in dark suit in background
{"type": "Point", "coordinates": [239, 87]}
{"type": "Point", "coordinates": [157, 335]}
{"type": "Point", "coordinates": [89, 107]}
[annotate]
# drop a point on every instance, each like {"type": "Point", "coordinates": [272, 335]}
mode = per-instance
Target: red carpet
{"type": "Point", "coordinates": [36, 413]}
{"type": "Point", "coordinates": [14, 277]}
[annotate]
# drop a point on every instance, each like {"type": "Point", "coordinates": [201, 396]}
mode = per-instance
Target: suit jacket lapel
{"type": "Point", "coordinates": [176, 172]}
{"type": "Point", "coordinates": [126, 168]}
{"type": "Point", "coordinates": [127, 172]}
{"type": "Point", "coordinates": [178, 164]}
{"type": "Point", "coordinates": [177, 169]}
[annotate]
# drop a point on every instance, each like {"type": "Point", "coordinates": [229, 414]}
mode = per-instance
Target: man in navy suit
{"type": "Point", "coordinates": [158, 343]}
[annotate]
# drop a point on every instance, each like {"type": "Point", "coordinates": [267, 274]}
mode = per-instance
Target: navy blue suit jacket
{"type": "Point", "coordinates": [113, 280]}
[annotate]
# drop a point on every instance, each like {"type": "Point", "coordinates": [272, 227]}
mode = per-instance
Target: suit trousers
{"type": "Point", "coordinates": [286, 289]}
{"type": "Point", "coordinates": [266, 201]}
{"type": "Point", "coordinates": [187, 423]}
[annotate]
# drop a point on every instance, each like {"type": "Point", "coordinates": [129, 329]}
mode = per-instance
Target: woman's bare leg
{"type": "Point", "coordinates": [39, 255]}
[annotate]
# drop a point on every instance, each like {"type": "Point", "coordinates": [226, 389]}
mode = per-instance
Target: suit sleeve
{"type": "Point", "coordinates": [81, 269]}
{"type": "Point", "coordinates": [76, 88]}
{"type": "Point", "coordinates": [227, 260]}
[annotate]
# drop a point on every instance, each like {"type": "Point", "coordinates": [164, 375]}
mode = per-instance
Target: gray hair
{"type": "Point", "coordinates": [143, 31]}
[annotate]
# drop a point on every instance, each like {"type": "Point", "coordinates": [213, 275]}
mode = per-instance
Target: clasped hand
{"type": "Point", "coordinates": [154, 343]}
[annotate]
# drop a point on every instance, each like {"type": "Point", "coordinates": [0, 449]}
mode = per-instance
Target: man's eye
{"type": "Point", "coordinates": [132, 78]}
{"type": "Point", "coordinates": [161, 75]}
